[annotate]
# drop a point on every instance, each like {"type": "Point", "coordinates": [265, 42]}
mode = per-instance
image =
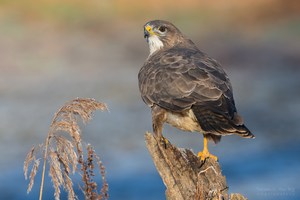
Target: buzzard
{"type": "Point", "coordinates": [187, 89]}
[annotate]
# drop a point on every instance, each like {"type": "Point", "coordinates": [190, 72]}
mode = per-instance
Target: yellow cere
{"type": "Point", "coordinates": [149, 29]}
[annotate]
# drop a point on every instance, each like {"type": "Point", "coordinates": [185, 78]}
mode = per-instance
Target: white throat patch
{"type": "Point", "coordinates": [154, 44]}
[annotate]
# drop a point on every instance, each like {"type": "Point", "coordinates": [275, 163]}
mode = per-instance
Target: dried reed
{"type": "Point", "coordinates": [64, 152]}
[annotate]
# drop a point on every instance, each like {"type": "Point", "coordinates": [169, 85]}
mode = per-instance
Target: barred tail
{"type": "Point", "coordinates": [214, 123]}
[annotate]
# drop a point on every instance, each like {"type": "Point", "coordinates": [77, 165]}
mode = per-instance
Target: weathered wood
{"type": "Point", "coordinates": [235, 196]}
{"type": "Point", "coordinates": [185, 176]}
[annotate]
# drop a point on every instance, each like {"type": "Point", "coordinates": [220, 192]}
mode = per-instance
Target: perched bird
{"type": "Point", "coordinates": [187, 89]}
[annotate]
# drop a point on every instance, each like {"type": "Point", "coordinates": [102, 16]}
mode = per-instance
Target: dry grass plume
{"type": "Point", "coordinates": [65, 153]}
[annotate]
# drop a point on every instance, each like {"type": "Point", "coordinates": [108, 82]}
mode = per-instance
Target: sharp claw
{"type": "Point", "coordinates": [204, 155]}
{"type": "Point", "coordinates": [164, 142]}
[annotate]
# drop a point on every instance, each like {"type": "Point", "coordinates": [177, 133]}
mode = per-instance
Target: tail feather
{"type": "Point", "coordinates": [214, 123]}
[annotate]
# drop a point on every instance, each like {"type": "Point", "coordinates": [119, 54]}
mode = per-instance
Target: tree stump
{"type": "Point", "coordinates": [185, 176]}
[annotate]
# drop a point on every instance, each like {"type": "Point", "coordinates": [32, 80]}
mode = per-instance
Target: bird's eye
{"type": "Point", "coordinates": [162, 29]}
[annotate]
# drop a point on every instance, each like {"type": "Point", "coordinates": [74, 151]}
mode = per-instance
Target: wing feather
{"type": "Point", "coordinates": [178, 78]}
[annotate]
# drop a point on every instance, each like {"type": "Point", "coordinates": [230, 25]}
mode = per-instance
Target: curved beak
{"type": "Point", "coordinates": [148, 31]}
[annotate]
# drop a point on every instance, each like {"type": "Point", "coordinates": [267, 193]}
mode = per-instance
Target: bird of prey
{"type": "Point", "coordinates": [187, 89]}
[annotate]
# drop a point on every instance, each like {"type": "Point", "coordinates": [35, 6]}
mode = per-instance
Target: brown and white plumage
{"type": "Point", "coordinates": [186, 88]}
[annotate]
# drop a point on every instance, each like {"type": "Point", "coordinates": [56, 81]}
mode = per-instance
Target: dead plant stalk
{"type": "Point", "coordinates": [63, 150]}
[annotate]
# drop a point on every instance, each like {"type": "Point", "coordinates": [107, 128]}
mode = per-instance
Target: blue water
{"type": "Point", "coordinates": [257, 176]}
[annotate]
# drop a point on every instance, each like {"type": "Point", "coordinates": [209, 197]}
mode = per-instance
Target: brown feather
{"type": "Point", "coordinates": [187, 86]}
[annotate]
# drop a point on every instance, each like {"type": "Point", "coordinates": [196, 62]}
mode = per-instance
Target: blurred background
{"type": "Point", "coordinates": [52, 51]}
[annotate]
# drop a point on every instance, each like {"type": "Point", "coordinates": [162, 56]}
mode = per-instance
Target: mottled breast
{"type": "Point", "coordinates": [185, 120]}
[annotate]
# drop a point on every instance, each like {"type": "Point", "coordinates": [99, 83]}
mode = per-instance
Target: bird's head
{"type": "Point", "coordinates": [161, 34]}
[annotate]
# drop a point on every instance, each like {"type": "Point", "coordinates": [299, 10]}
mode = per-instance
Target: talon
{"type": "Point", "coordinates": [205, 153]}
{"type": "Point", "coordinates": [164, 141]}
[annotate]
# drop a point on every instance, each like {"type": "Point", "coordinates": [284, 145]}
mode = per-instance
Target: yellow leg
{"type": "Point", "coordinates": [205, 153]}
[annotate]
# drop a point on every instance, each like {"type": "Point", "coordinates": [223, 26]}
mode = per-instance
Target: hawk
{"type": "Point", "coordinates": [187, 89]}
